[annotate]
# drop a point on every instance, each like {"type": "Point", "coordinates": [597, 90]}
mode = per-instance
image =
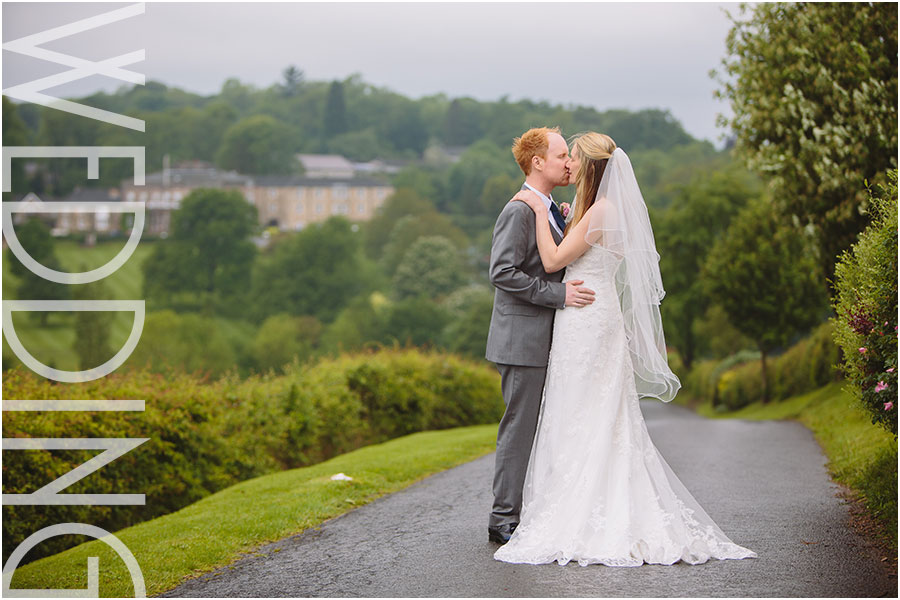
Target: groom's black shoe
{"type": "Point", "coordinates": [501, 533]}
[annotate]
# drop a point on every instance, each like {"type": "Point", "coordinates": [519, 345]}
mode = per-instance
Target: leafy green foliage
{"type": "Point", "coordinates": [92, 328]}
{"type": "Point", "coordinates": [207, 436]}
{"type": "Point", "coordinates": [206, 264]}
{"type": "Point", "coordinates": [409, 229]}
{"type": "Point", "coordinates": [734, 382]}
{"type": "Point", "coordinates": [15, 134]}
{"type": "Point", "coordinates": [415, 321]}
{"type": "Point", "coordinates": [866, 308]}
{"type": "Point", "coordinates": [257, 145]}
{"type": "Point", "coordinates": [188, 342]}
{"type": "Point", "coordinates": [335, 110]}
{"type": "Point", "coordinates": [430, 267]}
{"type": "Point", "coordinates": [813, 88]}
{"type": "Point", "coordinates": [685, 234]}
{"type": "Point", "coordinates": [283, 338]}
{"type": "Point", "coordinates": [763, 276]}
{"type": "Point", "coordinates": [34, 236]}
{"type": "Point", "coordinates": [316, 272]}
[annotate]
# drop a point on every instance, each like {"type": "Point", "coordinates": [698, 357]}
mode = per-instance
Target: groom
{"type": "Point", "coordinates": [525, 302]}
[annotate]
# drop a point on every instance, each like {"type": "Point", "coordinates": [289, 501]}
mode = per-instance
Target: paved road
{"type": "Point", "coordinates": [764, 483]}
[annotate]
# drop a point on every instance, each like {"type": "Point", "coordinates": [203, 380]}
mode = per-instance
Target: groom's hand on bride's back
{"type": "Point", "coordinates": [578, 296]}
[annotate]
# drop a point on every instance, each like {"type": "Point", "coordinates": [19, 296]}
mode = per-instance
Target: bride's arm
{"type": "Point", "coordinates": [573, 245]}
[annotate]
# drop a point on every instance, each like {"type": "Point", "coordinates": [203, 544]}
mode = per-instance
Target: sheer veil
{"type": "Point", "coordinates": [620, 224]}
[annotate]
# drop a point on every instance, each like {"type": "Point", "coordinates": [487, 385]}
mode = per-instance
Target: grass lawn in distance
{"type": "Point", "coordinates": [52, 343]}
{"type": "Point", "coordinates": [860, 455]}
{"type": "Point", "coordinates": [214, 531]}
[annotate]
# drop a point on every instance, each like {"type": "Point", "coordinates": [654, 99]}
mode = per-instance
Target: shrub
{"type": "Point", "coordinates": [865, 305]}
{"type": "Point", "coordinates": [205, 436]}
{"type": "Point", "coordinates": [734, 382]}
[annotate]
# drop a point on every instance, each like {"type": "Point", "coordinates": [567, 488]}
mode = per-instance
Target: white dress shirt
{"type": "Point", "coordinates": [547, 201]}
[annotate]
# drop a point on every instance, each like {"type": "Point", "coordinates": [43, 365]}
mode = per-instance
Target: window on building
{"type": "Point", "coordinates": [339, 191]}
{"type": "Point", "coordinates": [361, 207]}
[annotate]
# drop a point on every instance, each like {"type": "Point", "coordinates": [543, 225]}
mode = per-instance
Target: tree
{"type": "Point", "coordinates": [467, 177]}
{"type": "Point", "coordinates": [15, 134]}
{"type": "Point", "coordinates": [462, 124]}
{"type": "Point", "coordinates": [359, 324]}
{"type": "Point", "coordinates": [685, 234]}
{"type": "Point", "coordinates": [409, 229]}
{"type": "Point", "coordinates": [187, 342]}
{"type": "Point", "coordinates": [497, 191]}
{"type": "Point", "coordinates": [92, 328]}
{"type": "Point", "coordinates": [470, 318]}
{"type": "Point", "coordinates": [415, 321]}
{"type": "Point", "coordinates": [765, 278]}
{"type": "Point", "coordinates": [208, 260]}
{"type": "Point", "coordinates": [257, 145]}
{"type": "Point", "coordinates": [431, 267]}
{"type": "Point", "coordinates": [35, 238]}
{"type": "Point", "coordinates": [293, 79]}
{"type": "Point", "coordinates": [335, 111]}
{"type": "Point", "coordinates": [402, 203]}
{"type": "Point", "coordinates": [283, 338]}
{"type": "Point", "coordinates": [314, 272]}
{"type": "Point", "coordinates": [813, 89]}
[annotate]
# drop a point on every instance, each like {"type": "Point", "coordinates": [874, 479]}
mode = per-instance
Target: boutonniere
{"type": "Point", "coordinates": [564, 209]}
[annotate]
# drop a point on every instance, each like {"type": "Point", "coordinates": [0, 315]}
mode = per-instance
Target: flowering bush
{"type": "Point", "coordinates": [865, 306]}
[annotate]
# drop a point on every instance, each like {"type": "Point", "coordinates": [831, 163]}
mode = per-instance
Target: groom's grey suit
{"type": "Point", "coordinates": [525, 302]}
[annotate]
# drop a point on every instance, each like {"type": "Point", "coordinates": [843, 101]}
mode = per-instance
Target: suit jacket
{"type": "Point", "coordinates": [526, 297]}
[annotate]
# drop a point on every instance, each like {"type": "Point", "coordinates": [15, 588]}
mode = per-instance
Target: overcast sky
{"type": "Point", "coordinates": [604, 55]}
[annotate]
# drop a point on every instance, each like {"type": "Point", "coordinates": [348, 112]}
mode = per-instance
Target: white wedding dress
{"type": "Point", "coordinates": [597, 490]}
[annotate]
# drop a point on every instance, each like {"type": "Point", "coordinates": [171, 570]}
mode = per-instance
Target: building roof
{"type": "Point", "coordinates": [303, 181]}
{"type": "Point", "coordinates": [198, 177]}
{"type": "Point", "coordinates": [324, 162]}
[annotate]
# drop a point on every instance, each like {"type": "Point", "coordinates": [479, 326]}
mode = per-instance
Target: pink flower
{"type": "Point", "coordinates": [862, 350]}
{"type": "Point", "coordinates": [564, 209]}
{"type": "Point", "coordinates": [891, 370]}
{"type": "Point", "coordinates": [880, 386]}
{"type": "Point", "coordinates": [888, 405]}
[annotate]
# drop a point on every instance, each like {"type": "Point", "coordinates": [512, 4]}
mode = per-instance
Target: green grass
{"type": "Point", "coordinates": [860, 455]}
{"type": "Point", "coordinates": [52, 343]}
{"type": "Point", "coordinates": [215, 530]}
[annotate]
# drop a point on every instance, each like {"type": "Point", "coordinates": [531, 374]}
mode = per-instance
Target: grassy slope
{"type": "Point", "coordinates": [217, 529]}
{"type": "Point", "coordinates": [52, 344]}
{"type": "Point", "coordinates": [860, 455]}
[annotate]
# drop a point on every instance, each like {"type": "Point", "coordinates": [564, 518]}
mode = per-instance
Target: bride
{"type": "Point", "coordinates": [597, 490]}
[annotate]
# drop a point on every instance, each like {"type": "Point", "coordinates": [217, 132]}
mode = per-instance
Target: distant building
{"type": "Point", "coordinates": [292, 202]}
{"type": "Point", "coordinates": [326, 166]}
{"type": "Point", "coordinates": [164, 191]}
{"type": "Point", "coordinates": [67, 223]}
{"type": "Point", "coordinates": [288, 202]}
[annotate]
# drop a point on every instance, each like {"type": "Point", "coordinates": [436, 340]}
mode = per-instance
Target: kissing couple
{"type": "Point", "coordinates": [577, 337]}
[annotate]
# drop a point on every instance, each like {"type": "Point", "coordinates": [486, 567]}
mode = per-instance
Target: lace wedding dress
{"type": "Point", "coordinates": [597, 490]}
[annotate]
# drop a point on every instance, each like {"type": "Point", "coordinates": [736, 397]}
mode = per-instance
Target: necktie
{"type": "Point", "coordinates": [554, 210]}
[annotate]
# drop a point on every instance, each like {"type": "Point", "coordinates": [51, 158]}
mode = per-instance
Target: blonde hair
{"type": "Point", "coordinates": [533, 142]}
{"type": "Point", "coordinates": [594, 150]}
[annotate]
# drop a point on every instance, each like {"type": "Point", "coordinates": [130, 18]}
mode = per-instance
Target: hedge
{"type": "Point", "coordinates": [205, 436]}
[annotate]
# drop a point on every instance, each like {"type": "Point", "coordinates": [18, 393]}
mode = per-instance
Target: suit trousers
{"type": "Point", "coordinates": [522, 391]}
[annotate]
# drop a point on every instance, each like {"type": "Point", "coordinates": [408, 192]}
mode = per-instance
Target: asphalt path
{"type": "Point", "coordinates": [764, 483]}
